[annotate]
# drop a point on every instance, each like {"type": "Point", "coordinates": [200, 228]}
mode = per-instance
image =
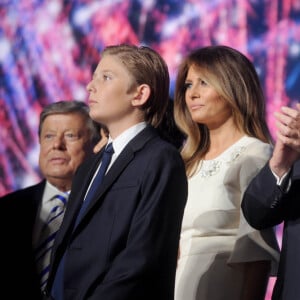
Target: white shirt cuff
{"type": "Point", "coordinates": [280, 181]}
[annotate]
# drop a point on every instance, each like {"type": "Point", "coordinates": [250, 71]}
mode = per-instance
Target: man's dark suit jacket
{"type": "Point", "coordinates": [265, 205]}
{"type": "Point", "coordinates": [18, 212]}
{"type": "Point", "coordinates": [126, 244]}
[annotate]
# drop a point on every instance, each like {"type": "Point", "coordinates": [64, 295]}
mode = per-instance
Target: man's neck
{"type": "Point", "coordinates": [61, 185]}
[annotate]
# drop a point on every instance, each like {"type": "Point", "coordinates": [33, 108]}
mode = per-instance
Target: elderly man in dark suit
{"type": "Point", "coordinates": [67, 135]}
{"type": "Point", "coordinates": [274, 197]}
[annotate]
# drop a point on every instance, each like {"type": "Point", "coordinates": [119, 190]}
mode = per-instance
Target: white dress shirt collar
{"type": "Point", "coordinates": [125, 137]}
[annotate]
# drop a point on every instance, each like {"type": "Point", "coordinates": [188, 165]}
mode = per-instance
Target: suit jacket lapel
{"type": "Point", "coordinates": [36, 195]}
{"type": "Point", "coordinates": [119, 165]}
{"type": "Point", "coordinates": [113, 173]}
{"type": "Point", "coordinates": [79, 188]}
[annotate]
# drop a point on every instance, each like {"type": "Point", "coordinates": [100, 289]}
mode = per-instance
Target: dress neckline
{"type": "Point", "coordinates": [228, 150]}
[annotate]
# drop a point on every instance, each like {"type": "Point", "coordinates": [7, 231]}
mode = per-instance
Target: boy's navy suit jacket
{"type": "Point", "coordinates": [126, 243]}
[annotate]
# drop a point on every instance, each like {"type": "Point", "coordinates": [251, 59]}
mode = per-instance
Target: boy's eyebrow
{"type": "Point", "coordinates": [106, 70]}
{"type": "Point", "coordinates": [102, 71]}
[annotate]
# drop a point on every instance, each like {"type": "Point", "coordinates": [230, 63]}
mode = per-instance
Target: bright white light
{"type": "Point", "coordinates": [5, 49]}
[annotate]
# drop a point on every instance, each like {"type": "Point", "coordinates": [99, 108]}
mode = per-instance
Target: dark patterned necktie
{"type": "Point", "coordinates": [48, 233]}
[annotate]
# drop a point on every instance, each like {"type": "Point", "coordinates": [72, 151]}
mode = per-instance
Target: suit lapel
{"type": "Point", "coordinates": [79, 188]}
{"type": "Point", "coordinates": [113, 173]}
{"type": "Point", "coordinates": [119, 165]}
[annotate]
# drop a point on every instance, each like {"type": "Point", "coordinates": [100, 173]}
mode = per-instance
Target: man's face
{"type": "Point", "coordinates": [64, 144]}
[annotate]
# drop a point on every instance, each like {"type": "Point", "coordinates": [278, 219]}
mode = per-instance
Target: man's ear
{"type": "Point", "coordinates": [142, 95]}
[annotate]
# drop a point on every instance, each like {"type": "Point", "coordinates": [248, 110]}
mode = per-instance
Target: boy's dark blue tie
{"type": "Point", "coordinates": [106, 158]}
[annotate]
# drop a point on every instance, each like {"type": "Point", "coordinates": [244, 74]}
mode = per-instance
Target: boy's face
{"type": "Point", "coordinates": [109, 100]}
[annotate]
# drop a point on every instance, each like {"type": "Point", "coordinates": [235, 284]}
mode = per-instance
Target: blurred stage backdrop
{"type": "Point", "coordinates": [48, 50]}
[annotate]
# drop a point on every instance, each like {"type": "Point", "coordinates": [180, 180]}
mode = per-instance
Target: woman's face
{"type": "Point", "coordinates": [205, 105]}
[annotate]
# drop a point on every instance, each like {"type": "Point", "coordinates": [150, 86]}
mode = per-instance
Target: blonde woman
{"type": "Point", "coordinates": [219, 106]}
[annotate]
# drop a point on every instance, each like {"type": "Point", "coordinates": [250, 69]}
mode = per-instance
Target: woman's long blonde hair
{"type": "Point", "coordinates": [234, 77]}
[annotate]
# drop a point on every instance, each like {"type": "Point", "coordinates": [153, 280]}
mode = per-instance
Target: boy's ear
{"type": "Point", "coordinates": [142, 95]}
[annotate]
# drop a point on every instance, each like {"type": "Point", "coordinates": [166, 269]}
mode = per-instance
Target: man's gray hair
{"type": "Point", "coordinates": [71, 106]}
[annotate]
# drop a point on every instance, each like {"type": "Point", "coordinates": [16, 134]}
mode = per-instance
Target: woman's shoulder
{"type": "Point", "coordinates": [248, 141]}
{"type": "Point", "coordinates": [256, 146]}
{"type": "Point", "coordinates": [248, 146]}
